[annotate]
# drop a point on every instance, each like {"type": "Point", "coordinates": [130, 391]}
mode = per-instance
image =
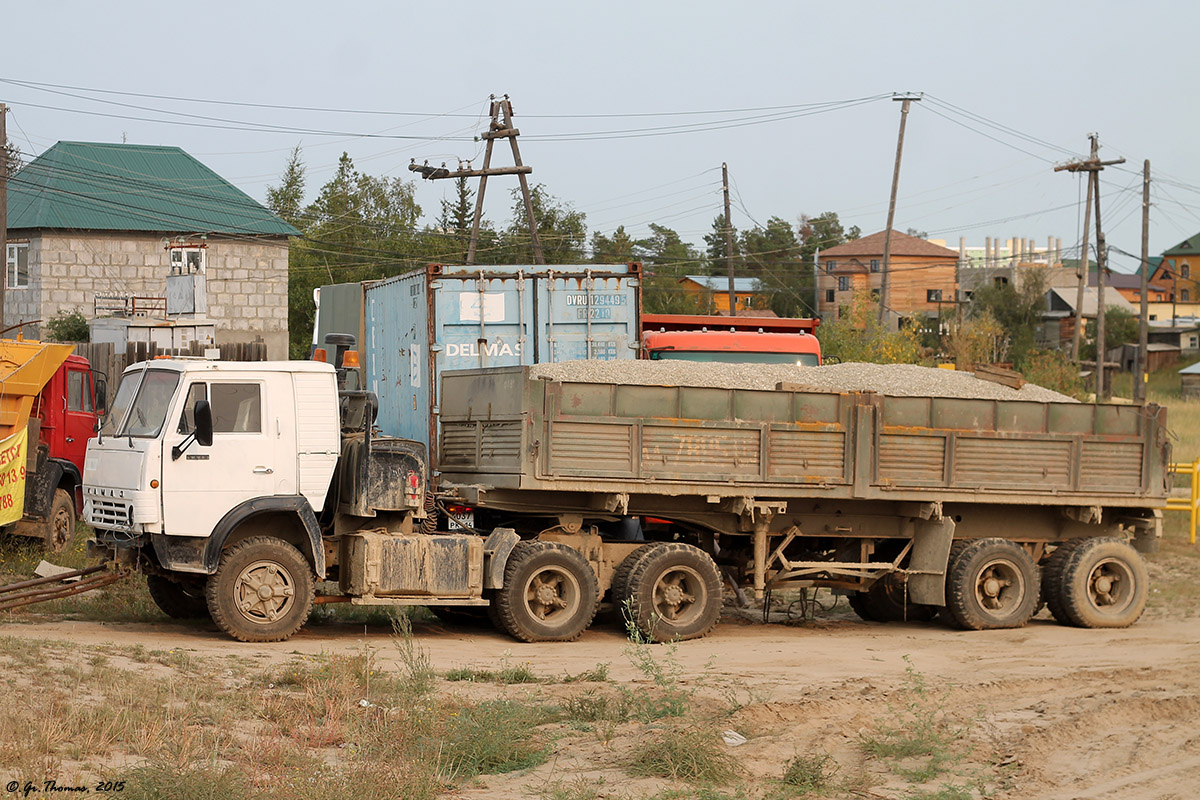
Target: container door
{"type": "Point", "coordinates": [587, 314]}
{"type": "Point", "coordinates": [249, 456]}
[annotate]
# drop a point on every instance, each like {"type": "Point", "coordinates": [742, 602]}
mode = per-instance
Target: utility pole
{"type": "Point", "coordinates": [887, 234]}
{"type": "Point", "coordinates": [3, 207]}
{"type": "Point", "coordinates": [1143, 359]}
{"type": "Point", "coordinates": [501, 127]}
{"type": "Point", "coordinates": [728, 241]}
{"type": "Point", "coordinates": [1077, 333]}
{"type": "Point", "coordinates": [1093, 166]}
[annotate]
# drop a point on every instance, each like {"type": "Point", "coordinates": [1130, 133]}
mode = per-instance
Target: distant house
{"type": "Point", "coordinates": [747, 292]}
{"type": "Point", "coordinates": [98, 228]}
{"type": "Point", "coordinates": [1058, 320]}
{"type": "Point", "coordinates": [921, 280]}
{"type": "Point", "coordinates": [1189, 381]}
{"type": "Point", "coordinates": [1179, 269]}
{"type": "Point", "coordinates": [1130, 287]}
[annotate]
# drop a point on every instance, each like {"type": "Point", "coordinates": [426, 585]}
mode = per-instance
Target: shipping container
{"type": "Point", "coordinates": [417, 325]}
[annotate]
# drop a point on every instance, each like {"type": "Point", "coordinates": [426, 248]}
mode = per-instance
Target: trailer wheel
{"type": "Point", "coordinates": [549, 593]}
{"type": "Point", "coordinates": [675, 593]}
{"type": "Point", "coordinates": [177, 600]}
{"type": "Point", "coordinates": [887, 601]}
{"type": "Point", "coordinates": [618, 590]}
{"type": "Point", "coordinates": [991, 583]}
{"type": "Point", "coordinates": [262, 590]}
{"type": "Point", "coordinates": [1104, 584]}
{"type": "Point", "coordinates": [1052, 574]}
{"type": "Point", "coordinates": [60, 527]}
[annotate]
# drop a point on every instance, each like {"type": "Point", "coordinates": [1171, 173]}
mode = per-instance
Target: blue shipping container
{"type": "Point", "coordinates": [418, 325]}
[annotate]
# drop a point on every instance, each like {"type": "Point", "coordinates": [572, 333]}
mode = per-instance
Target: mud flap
{"type": "Point", "coordinates": [496, 550]}
{"type": "Point", "coordinates": [927, 565]}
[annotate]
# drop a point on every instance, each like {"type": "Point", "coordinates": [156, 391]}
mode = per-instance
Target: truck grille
{"type": "Point", "coordinates": [103, 513]}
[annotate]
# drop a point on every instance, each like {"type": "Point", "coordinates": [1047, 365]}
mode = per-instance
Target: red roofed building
{"type": "Point", "coordinates": [921, 281]}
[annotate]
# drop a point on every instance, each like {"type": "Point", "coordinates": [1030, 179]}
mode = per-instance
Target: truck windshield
{"type": "Point", "coordinates": [737, 357]}
{"type": "Point", "coordinates": [147, 397]}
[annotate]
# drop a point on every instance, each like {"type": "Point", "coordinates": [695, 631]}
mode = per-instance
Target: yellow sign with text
{"type": "Point", "coordinates": [12, 477]}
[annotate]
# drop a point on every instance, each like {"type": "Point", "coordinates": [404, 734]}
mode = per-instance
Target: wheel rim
{"type": "Point", "coordinates": [1110, 586]}
{"type": "Point", "coordinates": [552, 596]}
{"type": "Point", "coordinates": [679, 595]}
{"type": "Point", "coordinates": [1000, 588]}
{"type": "Point", "coordinates": [264, 592]}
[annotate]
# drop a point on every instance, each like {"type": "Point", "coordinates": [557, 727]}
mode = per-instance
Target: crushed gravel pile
{"type": "Point", "coordinates": [897, 380]}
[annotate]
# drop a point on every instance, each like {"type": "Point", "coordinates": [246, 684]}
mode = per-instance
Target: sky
{"type": "Point", "coordinates": [627, 110]}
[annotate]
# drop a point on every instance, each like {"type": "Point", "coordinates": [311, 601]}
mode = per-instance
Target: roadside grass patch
{"type": "Point", "coordinates": [805, 774]}
{"type": "Point", "coordinates": [687, 752]}
{"type": "Point", "coordinates": [919, 737]}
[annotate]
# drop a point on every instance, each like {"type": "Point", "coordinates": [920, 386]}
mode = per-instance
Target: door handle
{"type": "Point", "coordinates": [70, 439]}
{"type": "Point", "coordinates": [263, 470]}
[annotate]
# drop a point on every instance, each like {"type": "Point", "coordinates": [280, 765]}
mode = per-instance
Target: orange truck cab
{"type": "Point", "coordinates": [741, 340]}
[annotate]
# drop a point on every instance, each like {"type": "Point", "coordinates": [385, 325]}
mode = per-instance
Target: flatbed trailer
{"type": "Point", "coordinates": [908, 503]}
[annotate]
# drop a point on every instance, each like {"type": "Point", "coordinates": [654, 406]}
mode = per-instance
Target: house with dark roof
{"type": "Point", "coordinates": [921, 280]}
{"type": "Point", "coordinates": [96, 227]}
{"type": "Point", "coordinates": [1178, 269]}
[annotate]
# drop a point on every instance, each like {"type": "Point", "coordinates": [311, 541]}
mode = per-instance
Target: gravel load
{"type": "Point", "coordinates": [896, 380]}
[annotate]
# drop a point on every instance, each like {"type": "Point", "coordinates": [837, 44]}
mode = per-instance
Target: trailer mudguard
{"type": "Point", "coordinates": [294, 504]}
{"type": "Point", "coordinates": [927, 565]}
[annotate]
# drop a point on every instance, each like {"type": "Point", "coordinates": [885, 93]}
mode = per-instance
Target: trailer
{"type": "Point", "coordinates": [910, 504]}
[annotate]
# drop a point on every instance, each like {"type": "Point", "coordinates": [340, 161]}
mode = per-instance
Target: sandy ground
{"type": "Point", "coordinates": [1054, 711]}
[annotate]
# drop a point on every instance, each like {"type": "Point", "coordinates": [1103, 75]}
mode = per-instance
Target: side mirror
{"type": "Point", "coordinates": [101, 397]}
{"type": "Point", "coordinates": [202, 414]}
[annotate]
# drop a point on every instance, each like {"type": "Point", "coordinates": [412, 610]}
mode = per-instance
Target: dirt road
{"type": "Point", "coordinates": [1050, 711]}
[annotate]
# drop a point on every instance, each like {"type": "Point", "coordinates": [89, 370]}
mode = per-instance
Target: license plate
{"type": "Point", "coordinates": [467, 517]}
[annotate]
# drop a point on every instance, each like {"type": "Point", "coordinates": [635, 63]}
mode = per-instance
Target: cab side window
{"type": "Point", "coordinates": [78, 396]}
{"type": "Point", "coordinates": [236, 407]}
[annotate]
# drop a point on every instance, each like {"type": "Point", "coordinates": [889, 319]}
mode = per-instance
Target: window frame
{"type": "Point", "coordinates": [12, 265]}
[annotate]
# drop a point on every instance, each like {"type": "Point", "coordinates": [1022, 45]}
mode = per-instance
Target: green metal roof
{"type": "Point", "coordinates": [1188, 247]}
{"type": "Point", "coordinates": [131, 187]}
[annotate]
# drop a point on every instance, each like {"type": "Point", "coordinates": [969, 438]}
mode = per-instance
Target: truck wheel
{"type": "Point", "coordinates": [618, 590]}
{"type": "Point", "coordinates": [177, 600]}
{"type": "Point", "coordinates": [675, 593]}
{"type": "Point", "coordinates": [262, 590]}
{"type": "Point", "coordinates": [60, 527]}
{"type": "Point", "coordinates": [1052, 586]}
{"type": "Point", "coordinates": [549, 593]}
{"type": "Point", "coordinates": [991, 583]}
{"type": "Point", "coordinates": [1104, 584]}
{"type": "Point", "coordinates": [887, 601]}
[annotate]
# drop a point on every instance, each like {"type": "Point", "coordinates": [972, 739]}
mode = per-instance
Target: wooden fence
{"type": "Point", "coordinates": [106, 358]}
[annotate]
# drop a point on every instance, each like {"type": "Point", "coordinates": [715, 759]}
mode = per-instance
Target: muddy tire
{"type": "Point", "coordinates": [262, 590]}
{"type": "Point", "coordinates": [675, 593]}
{"type": "Point", "coordinates": [991, 583]}
{"type": "Point", "coordinates": [618, 589]}
{"type": "Point", "coordinates": [1052, 572]}
{"type": "Point", "coordinates": [550, 593]}
{"type": "Point", "coordinates": [887, 601]}
{"type": "Point", "coordinates": [60, 525]}
{"type": "Point", "coordinates": [177, 600]}
{"type": "Point", "coordinates": [1104, 584]}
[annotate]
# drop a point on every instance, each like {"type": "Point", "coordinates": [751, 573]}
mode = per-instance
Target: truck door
{"type": "Point", "coordinates": [79, 416]}
{"type": "Point", "coordinates": [247, 458]}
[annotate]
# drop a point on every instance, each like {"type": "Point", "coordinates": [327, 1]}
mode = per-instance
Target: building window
{"type": "Point", "coordinates": [875, 295]}
{"type": "Point", "coordinates": [874, 265]}
{"type": "Point", "coordinates": [1184, 270]}
{"type": "Point", "coordinates": [829, 296]}
{"type": "Point", "coordinates": [187, 259]}
{"type": "Point", "coordinates": [17, 261]}
{"type": "Point", "coordinates": [830, 266]}
{"type": "Point", "coordinates": [1001, 282]}
{"type": "Point", "coordinates": [843, 283]}
{"type": "Point", "coordinates": [933, 295]}
{"type": "Point", "coordinates": [1185, 296]}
